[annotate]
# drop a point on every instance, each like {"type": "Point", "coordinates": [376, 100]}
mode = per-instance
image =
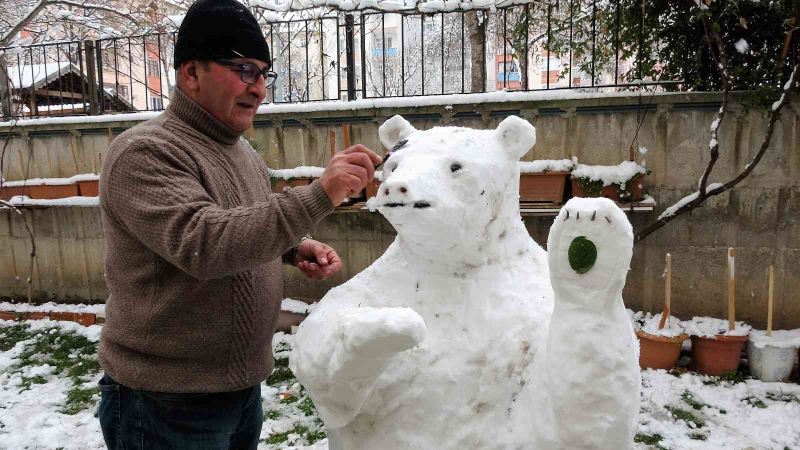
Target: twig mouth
{"type": "Point", "coordinates": [419, 205]}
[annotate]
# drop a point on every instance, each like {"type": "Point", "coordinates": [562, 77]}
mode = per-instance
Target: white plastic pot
{"type": "Point", "coordinates": [770, 363]}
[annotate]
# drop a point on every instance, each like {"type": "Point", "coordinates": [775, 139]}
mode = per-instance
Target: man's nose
{"type": "Point", "coordinates": [259, 88]}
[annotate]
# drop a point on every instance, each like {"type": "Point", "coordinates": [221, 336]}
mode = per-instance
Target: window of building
{"type": "Point", "coordinates": [156, 103]}
{"type": "Point", "coordinates": [152, 68]}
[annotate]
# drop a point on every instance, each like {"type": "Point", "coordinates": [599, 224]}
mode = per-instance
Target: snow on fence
{"type": "Point", "coordinates": [349, 50]}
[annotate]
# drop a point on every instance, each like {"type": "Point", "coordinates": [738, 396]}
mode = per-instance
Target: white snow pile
{"type": "Point", "coordinates": [51, 306]}
{"type": "Point", "coordinates": [619, 174]}
{"type": "Point", "coordinates": [779, 338]}
{"type": "Point", "coordinates": [546, 165]}
{"type": "Point", "coordinates": [24, 200]}
{"type": "Point", "coordinates": [296, 306]}
{"type": "Point", "coordinates": [446, 341]}
{"type": "Point", "coordinates": [710, 327]}
{"type": "Point", "coordinates": [297, 172]}
{"type": "Point", "coordinates": [701, 412]}
{"type": "Point", "coordinates": [53, 181]}
{"type": "Point", "coordinates": [675, 412]}
{"type": "Point", "coordinates": [648, 323]}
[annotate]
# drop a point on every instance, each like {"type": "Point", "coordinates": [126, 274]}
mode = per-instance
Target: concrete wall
{"type": "Point", "coordinates": [761, 217]}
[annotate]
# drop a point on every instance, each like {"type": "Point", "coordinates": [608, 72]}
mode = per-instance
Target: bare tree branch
{"type": "Point", "coordinates": [30, 15]}
{"type": "Point", "coordinates": [702, 195]}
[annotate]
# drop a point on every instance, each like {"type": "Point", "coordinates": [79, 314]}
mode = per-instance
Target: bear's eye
{"type": "Point", "coordinates": [455, 167]}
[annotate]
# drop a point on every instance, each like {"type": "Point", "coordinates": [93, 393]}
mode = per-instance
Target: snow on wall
{"type": "Point", "coordinates": [363, 104]}
{"type": "Point", "coordinates": [53, 181]}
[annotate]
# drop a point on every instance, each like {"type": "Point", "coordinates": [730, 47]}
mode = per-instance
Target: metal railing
{"type": "Point", "coordinates": [573, 44]}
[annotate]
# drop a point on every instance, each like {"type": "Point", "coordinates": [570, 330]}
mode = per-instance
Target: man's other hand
{"type": "Point", "coordinates": [317, 260]}
{"type": "Point", "coordinates": [348, 172]}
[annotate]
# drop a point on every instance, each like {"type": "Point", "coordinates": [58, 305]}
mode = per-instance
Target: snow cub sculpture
{"type": "Point", "coordinates": [442, 342]}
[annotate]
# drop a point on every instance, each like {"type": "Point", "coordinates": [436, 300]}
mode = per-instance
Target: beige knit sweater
{"type": "Point", "coordinates": [193, 245]}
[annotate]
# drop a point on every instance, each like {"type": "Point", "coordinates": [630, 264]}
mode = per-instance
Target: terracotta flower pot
{"type": "Point", "coordinates": [45, 191]}
{"type": "Point", "coordinates": [717, 355]}
{"type": "Point", "coordinates": [659, 352]}
{"type": "Point", "coordinates": [542, 187]}
{"type": "Point", "coordinates": [7, 192]}
{"type": "Point", "coordinates": [612, 191]}
{"type": "Point", "coordinates": [89, 188]}
{"type": "Point", "coordinates": [36, 315]}
{"type": "Point", "coordinates": [280, 183]}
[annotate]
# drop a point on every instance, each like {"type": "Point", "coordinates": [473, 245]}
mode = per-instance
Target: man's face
{"type": "Point", "coordinates": [221, 92]}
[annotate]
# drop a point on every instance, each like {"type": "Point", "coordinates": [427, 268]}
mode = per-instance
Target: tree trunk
{"type": "Point", "coordinates": [476, 24]}
{"type": "Point", "coordinates": [5, 91]}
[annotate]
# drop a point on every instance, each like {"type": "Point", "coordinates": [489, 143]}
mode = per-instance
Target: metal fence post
{"type": "Point", "coordinates": [91, 75]}
{"type": "Point", "coordinates": [349, 25]}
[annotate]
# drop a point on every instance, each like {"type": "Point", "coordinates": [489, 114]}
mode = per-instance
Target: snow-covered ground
{"type": "Point", "coordinates": [48, 398]}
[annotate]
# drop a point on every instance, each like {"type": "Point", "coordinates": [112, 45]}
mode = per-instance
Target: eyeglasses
{"type": "Point", "coordinates": [249, 72]}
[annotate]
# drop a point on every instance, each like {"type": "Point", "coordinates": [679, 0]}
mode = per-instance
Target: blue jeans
{"type": "Point", "coordinates": [139, 420]}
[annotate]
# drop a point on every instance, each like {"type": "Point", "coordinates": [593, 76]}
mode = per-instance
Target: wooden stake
{"type": "Point", "coordinates": [346, 135]}
{"type": "Point", "coordinates": [769, 299]}
{"type": "Point", "coordinates": [667, 293]}
{"type": "Point", "coordinates": [332, 140]}
{"type": "Point", "coordinates": [731, 289]}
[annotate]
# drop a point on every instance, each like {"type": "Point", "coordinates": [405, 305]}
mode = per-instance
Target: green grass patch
{"type": "Point", "coordinates": [10, 336]}
{"type": "Point", "coordinates": [67, 352]}
{"type": "Point", "coordinates": [696, 404]}
{"type": "Point", "coordinates": [272, 414]}
{"type": "Point", "coordinates": [79, 399]}
{"type": "Point", "coordinates": [698, 436]}
{"type": "Point", "coordinates": [277, 438]}
{"type": "Point", "coordinates": [27, 382]}
{"type": "Point", "coordinates": [649, 439]}
{"type": "Point", "coordinates": [686, 416]}
{"type": "Point", "coordinates": [782, 397]}
{"type": "Point", "coordinates": [755, 402]}
{"type": "Point", "coordinates": [307, 406]}
{"type": "Point", "coordinates": [280, 375]}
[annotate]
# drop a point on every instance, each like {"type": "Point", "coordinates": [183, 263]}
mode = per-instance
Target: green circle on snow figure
{"type": "Point", "coordinates": [582, 254]}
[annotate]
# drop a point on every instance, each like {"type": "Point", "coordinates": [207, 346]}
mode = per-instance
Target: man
{"type": "Point", "coordinates": [194, 245]}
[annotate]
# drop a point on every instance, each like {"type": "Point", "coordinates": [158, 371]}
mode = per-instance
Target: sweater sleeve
{"type": "Point", "coordinates": [158, 196]}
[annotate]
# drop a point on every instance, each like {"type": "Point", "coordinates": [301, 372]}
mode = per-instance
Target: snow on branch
{"type": "Point", "coordinates": [6, 38]}
{"type": "Point", "coordinates": [695, 199]}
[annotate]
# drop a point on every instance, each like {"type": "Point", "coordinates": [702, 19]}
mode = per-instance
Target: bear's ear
{"type": "Point", "coordinates": [394, 130]}
{"type": "Point", "coordinates": [516, 135]}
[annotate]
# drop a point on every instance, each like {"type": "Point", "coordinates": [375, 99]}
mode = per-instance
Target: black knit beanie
{"type": "Point", "coordinates": [220, 29]}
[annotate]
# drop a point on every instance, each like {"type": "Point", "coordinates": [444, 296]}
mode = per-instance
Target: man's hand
{"type": "Point", "coordinates": [348, 172]}
{"type": "Point", "coordinates": [317, 260]}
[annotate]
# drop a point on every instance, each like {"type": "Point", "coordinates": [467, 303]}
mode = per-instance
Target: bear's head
{"type": "Point", "coordinates": [449, 189]}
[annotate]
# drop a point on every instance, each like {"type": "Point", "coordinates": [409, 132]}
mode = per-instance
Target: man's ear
{"type": "Point", "coordinates": [188, 74]}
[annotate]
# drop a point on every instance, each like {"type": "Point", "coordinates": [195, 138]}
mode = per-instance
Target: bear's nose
{"type": "Point", "coordinates": [395, 189]}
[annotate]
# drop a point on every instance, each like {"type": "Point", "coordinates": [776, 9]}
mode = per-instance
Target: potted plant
{"type": "Point", "coordinates": [543, 180]}
{"type": "Point", "coordinates": [622, 183]}
{"type": "Point", "coordinates": [88, 184]}
{"type": "Point", "coordinates": [771, 355]}
{"type": "Point", "coordinates": [716, 349]}
{"type": "Point", "coordinates": [52, 188]}
{"type": "Point", "coordinates": [661, 337]}
{"type": "Point", "coordinates": [717, 344]}
{"type": "Point", "coordinates": [299, 176]}
{"type": "Point", "coordinates": [12, 189]}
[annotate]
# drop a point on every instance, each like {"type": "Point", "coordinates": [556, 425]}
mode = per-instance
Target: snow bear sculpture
{"type": "Point", "coordinates": [442, 342]}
